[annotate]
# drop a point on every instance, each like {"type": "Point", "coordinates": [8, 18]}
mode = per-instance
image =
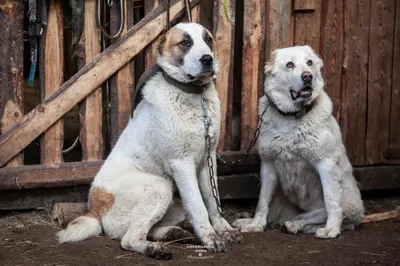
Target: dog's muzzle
{"type": "Point", "coordinates": [306, 91]}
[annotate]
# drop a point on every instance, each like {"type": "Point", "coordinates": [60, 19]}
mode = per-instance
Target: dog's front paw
{"type": "Point", "coordinates": [326, 233]}
{"type": "Point", "coordinates": [241, 223]}
{"type": "Point", "coordinates": [214, 243]}
{"type": "Point", "coordinates": [289, 227]}
{"type": "Point", "coordinates": [231, 235]}
{"type": "Point", "coordinates": [252, 228]}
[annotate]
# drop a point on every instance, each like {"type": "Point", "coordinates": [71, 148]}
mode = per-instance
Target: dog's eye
{"type": "Point", "coordinates": [309, 62]}
{"type": "Point", "coordinates": [208, 39]}
{"type": "Point", "coordinates": [186, 43]}
{"type": "Point", "coordinates": [290, 64]}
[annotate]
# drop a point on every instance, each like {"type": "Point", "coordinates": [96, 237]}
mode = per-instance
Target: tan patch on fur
{"type": "Point", "coordinates": [169, 48]}
{"type": "Point", "coordinates": [100, 202]}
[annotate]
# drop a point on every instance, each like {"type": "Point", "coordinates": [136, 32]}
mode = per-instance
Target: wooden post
{"type": "Point", "coordinates": [90, 110]}
{"type": "Point", "coordinates": [252, 67]}
{"type": "Point", "coordinates": [354, 79]}
{"type": "Point", "coordinates": [224, 31]}
{"type": "Point", "coordinates": [151, 50]}
{"type": "Point", "coordinates": [122, 83]}
{"type": "Point", "coordinates": [395, 108]}
{"type": "Point", "coordinates": [64, 213]}
{"type": "Point", "coordinates": [11, 70]}
{"type": "Point", "coordinates": [279, 25]}
{"type": "Point", "coordinates": [331, 50]}
{"type": "Point", "coordinates": [307, 26]}
{"type": "Point", "coordinates": [85, 81]}
{"type": "Point", "coordinates": [196, 14]}
{"type": "Point", "coordinates": [379, 79]}
{"type": "Point", "coordinates": [52, 77]}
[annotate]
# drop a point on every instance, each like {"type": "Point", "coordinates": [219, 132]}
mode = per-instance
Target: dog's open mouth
{"type": "Point", "coordinates": [304, 93]}
{"type": "Point", "coordinates": [205, 72]}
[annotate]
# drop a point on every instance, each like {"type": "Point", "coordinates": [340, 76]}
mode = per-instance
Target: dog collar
{"type": "Point", "coordinates": [193, 87]}
{"type": "Point", "coordinates": [298, 114]}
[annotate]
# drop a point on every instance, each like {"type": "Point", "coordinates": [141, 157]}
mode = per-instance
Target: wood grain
{"type": "Point", "coordinates": [85, 81]}
{"type": "Point", "coordinates": [306, 5]}
{"type": "Point", "coordinates": [11, 70]}
{"type": "Point", "coordinates": [379, 79]}
{"type": "Point", "coordinates": [395, 106]}
{"type": "Point", "coordinates": [53, 76]}
{"type": "Point", "coordinates": [354, 79]}
{"type": "Point", "coordinates": [196, 14]}
{"type": "Point", "coordinates": [224, 34]}
{"type": "Point", "coordinates": [280, 26]}
{"type": "Point", "coordinates": [65, 212]}
{"type": "Point", "coordinates": [90, 110]}
{"type": "Point", "coordinates": [123, 82]}
{"type": "Point", "coordinates": [307, 26]}
{"type": "Point", "coordinates": [252, 67]}
{"type": "Point", "coordinates": [331, 50]}
{"type": "Point", "coordinates": [150, 53]}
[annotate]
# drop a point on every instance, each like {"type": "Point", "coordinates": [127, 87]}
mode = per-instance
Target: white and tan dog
{"type": "Point", "coordinates": [161, 149]}
{"type": "Point", "coordinates": [307, 183]}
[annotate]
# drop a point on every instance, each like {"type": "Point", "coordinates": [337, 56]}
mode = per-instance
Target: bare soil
{"type": "Point", "coordinates": [28, 239]}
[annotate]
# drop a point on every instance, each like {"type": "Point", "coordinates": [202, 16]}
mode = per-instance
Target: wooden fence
{"type": "Point", "coordinates": [359, 42]}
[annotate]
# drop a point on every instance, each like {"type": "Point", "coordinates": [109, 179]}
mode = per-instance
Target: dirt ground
{"type": "Point", "coordinates": [28, 239]}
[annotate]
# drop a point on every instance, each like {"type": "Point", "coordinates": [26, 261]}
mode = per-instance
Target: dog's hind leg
{"type": "Point", "coordinates": [167, 229]}
{"type": "Point", "coordinates": [317, 216]}
{"type": "Point", "coordinates": [148, 211]}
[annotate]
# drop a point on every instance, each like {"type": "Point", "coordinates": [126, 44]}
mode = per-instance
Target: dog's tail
{"type": "Point", "coordinates": [81, 228]}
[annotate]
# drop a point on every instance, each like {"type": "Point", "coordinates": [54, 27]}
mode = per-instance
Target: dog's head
{"type": "Point", "coordinates": [293, 77]}
{"type": "Point", "coordinates": [186, 53]}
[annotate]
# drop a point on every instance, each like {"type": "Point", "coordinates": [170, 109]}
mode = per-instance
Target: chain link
{"type": "Point", "coordinates": [248, 150]}
{"type": "Point", "coordinates": [210, 162]}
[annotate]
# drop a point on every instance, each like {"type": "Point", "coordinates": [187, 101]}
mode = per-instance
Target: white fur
{"type": "Point", "coordinates": [306, 178]}
{"type": "Point", "coordinates": [163, 148]}
{"type": "Point", "coordinates": [81, 228]}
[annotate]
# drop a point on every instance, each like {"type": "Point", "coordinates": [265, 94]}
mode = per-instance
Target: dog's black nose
{"type": "Point", "coordinates": [306, 77]}
{"type": "Point", "coordinates": [206, 60]}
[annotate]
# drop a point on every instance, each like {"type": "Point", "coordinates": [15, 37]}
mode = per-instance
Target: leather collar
{"type": "Point", "coordinates": [193, 87]}
{"type": "Point", "coordinates": [298, 114]}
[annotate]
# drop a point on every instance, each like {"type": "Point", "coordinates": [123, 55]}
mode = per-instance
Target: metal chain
{"type": "Point", "coordinates": [248, 150]}
{"type": "Point", "coordinates": [210, 162]}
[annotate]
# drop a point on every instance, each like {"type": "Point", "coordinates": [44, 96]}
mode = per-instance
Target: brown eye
{"type": "Point", "coordinates": [290, 64]}
{"type": "Point", "coordinates": [186, 43]}
{"type": "Point", "coordinates": [309, 62]}
{"type": "Point", "coordinates": [208, 39]}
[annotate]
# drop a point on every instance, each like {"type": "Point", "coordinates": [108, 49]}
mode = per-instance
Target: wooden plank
{"type": "Point", "coordinates": [151, 50]}
{"type": "Point", "coordinates": [307, 26]}
{"type": "Point", "coordinates": [123, 82]}
{"type": "Point", "coordinates": [11, 70]}
{"type": "Point", "coordinates": [354, 79]}
{"type": "Point", "coordinates": [85, 81]}
{"type": "Point", "coordinates": [252, 67]}
{"type": "Point", "coordinates": [395, 106]}
{"type": "Point", "coordinates": [196, 14]}
{"type": "Point", "coordinates": [224, 34]}
{"type": "Point", "coordinates": [391, 153]}
{"type": "Point", "coordinates": [331, 50]}
{"type": "Point", "coordinates": [280, 26]}
{"type": "Point", "coordinates": [305, 5]}
{"type": "Point", "coordinates": [52, 77]}
{"type": "Point", "coordinates": [379, 80]}
{"type": "Point", "coordinates": [64, 212]}
{"type": "Point", "coordinates": [90, 110]}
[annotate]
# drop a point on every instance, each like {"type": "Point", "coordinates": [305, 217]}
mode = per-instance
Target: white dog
{"type": "Point", "coordinates": [307, 183]}
{"type": "Point", "coordinates": [161, 149]}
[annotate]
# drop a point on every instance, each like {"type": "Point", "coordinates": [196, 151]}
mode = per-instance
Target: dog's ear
{"type": "Point", "coordinates": [270, 64]}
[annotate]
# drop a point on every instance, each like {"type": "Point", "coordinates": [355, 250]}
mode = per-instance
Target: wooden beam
{"type": "Point", "coordinates": [380, 64]}
{"type": "Point", "coordinates": [224, 34]}
{"type": "Point", "coordinates": [52, 77]}
{"type": "Point", "coordinates": [394, 140]}
{"type": "Point", "coordinates": [151, 50]}
{"type": "Point", "coordinates": [196, 14]}
{"type": "Point", "coordinates": [11, 70]}
{"type": "Point", "coordinates": [85, 81]}
{"type": "Point", "coordinates": [306, 5]}
{"type": "Point", "coordinates": [64, 213]}
{"type": "Point", "coordinates": [123, 82]}
{"type": "Point", "coordinates": [252, 67]}
{"type": "Point", "coordinates": [90, 109]}
{"type": "Point", "coordinates": [331, 50]}
{"type": "Point", "coordinates": [354, 79]}
{"type": "Point", "coordinates": [307, 26]}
